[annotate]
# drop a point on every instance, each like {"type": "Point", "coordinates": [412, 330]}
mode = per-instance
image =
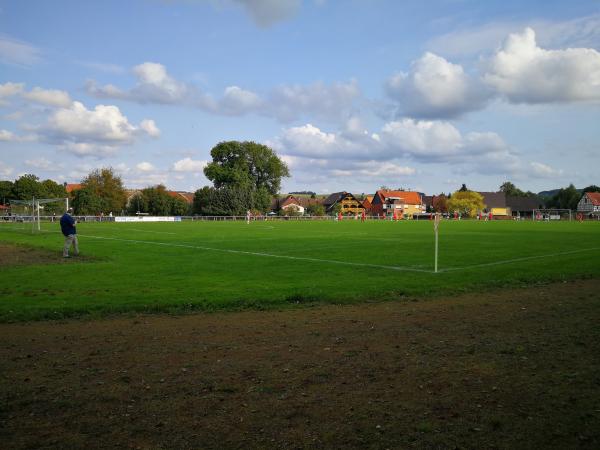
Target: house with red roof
{"type": "Point", "coordinates": [70, 187]}
{"type": "Point", "coordinates": [589, 204]}
{"type": "Point", "coordinates": [402, 203]}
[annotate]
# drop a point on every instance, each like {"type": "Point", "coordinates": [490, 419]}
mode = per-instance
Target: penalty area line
{"type": "Point", "coordinates": [525, 258]}
{"type": "Point", "coordinates": [267, 255]}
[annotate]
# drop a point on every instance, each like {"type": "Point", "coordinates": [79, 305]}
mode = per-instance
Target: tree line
{"type": "Point", "coordinates": [245, 176]}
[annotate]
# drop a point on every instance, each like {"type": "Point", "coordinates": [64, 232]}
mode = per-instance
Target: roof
{"type": "Point", "coordinates": [289, 200]}
{"type": "Point", "coordinates": [594, 197]}
{"type": "Point", "coordinates": [522, 203]}
{"type": "Point", "coordinates": [188, 197]}
{"type": "Point", "coordinates": [494, 199]}
{"type": "Point", "coordinates": [70, 187]}
{"type": "Point", "coordinates": [408, 197]}
{"type": "Point", "coordinates": [334, 198]}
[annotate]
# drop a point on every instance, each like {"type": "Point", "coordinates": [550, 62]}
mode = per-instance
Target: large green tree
{"type": "Point", "coordinates": [101, 191]}
{"type": "Point", "coordinates": [466, 202]}
{"type": "Point", "coordinates": [249, 170]}
{"type": "Point", "coordinates": [246, 164]}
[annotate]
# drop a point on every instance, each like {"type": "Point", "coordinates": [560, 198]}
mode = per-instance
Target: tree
{"type": "Point", "coordinates": [179, 207]}
{"type": "Point", "coordinates": [225, 201]}
{"type": "Point", "coordinates": [466, 202]}
{"type": "Point", "coordinates": [511, 190]}
{"type": "Point", "coordinates": [565, 198]}
{"type": "Point", "coordinates": [440, 203]}
{"type": "Point", "coordinates": [6, 189]}
{"type": "Point", "coordinates": [103, 190]}
{"type": "Point", "coordinates": [246, 164]}
{"type": "Point", "coordinates": [86, 201]}
{"type": "Point", "coordinates": [591, 188]}
{"type": "Point", "coordinates": [316, 209]}
{"type": "Point", "coordinates": [27, 186]}
{"type": "Point", "coordinates": [248, 170]}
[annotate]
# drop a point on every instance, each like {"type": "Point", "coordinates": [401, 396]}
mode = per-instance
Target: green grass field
{"type": "Point", "coordinates": [232, 265]}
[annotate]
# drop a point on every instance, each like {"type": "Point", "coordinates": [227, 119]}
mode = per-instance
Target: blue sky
{"type": "Point", "coordinates": [352, 94]}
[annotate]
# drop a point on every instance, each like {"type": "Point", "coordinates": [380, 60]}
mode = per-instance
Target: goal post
{"type": "Point", "coordinates": [31, 210]}
{"type": "Point", "coordinates": [547, 214]}
{"type": "Point", "coordinates": [436, 226]}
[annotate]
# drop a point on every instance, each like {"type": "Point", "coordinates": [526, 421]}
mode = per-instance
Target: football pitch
{"type": "Point", "coordinates": [185, 266]}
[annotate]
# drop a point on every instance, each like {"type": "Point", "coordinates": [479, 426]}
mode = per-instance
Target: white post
{"type": "Point", "coordinates": [436, 224]}
{"type": "Point", "coordinates": [32, 214]}
{"type": "Point", "coordinates": [38, 215]}
{"type": "Point", "coordinates": [67, 204]}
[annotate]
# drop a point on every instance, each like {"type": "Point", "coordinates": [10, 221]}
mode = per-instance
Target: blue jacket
{"type": "Point", "coordinates": [67, 224]}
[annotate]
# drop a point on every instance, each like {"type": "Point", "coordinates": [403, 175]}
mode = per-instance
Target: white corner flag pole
{"type": "Point", "coordinates": [436, 225]}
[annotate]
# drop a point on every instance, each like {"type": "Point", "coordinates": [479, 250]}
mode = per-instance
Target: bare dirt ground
{"type": "Point", "coordinates": [513, 369]}
{"type": "Point", "coordinates": [14, 255]}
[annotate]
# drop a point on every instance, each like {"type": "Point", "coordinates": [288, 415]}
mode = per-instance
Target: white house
{"type": "Point", "coordinates": [589, 204]}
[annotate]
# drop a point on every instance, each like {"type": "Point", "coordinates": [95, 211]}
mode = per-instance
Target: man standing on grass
{"type": "Point", "coordinates": [67, 226]}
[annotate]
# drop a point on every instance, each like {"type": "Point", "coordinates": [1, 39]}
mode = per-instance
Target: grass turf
{"type": "Point", "coordinates": [233, 265]}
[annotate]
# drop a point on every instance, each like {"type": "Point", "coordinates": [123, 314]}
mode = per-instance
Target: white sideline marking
{"type": "Point", "coordinates": [269, 255]}
{"type": "Point", "coordinates": [148, 231]}
{"type": "Point", "coordinates": [525, 258]}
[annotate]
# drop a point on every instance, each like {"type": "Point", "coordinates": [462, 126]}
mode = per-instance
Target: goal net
{"type": "Point", "coordinates": [35, 210]}
{"type": "Point", "coordinates": [552, 214]}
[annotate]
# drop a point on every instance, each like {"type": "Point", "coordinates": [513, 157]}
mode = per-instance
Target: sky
{"type": "Point", "coordinates": [351, 94]}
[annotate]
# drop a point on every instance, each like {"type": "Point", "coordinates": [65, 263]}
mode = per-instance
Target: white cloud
{"type": "Point", "coordinates": [145, 167]}
{"type": "Point", "coordinates": [285, 103]}
{"type": "Point", "coordinates": [5, 170]}
{"type": "Point", "coordinates": [486, 38]}
{"type": "Point", "coordinates": [42, 164]}
{"type": "Point", "coordinates": [436, 88]}
{"type": "Point", "coordinates": [291, 102]}
{"type": "Point", "coordinates": [8, 90]}
{"type": "Point", "coordinates": [154, 85]}
{"type": "Point", "coordinates": [268, 12]}
{"type": "Point", "coordinates": [541, 170]}
{"type": "Point", "coordinates": [377, 155]}
{"type": "Point", "coordinates": [526, 73]}
{"type": "Point", "coordinates": [150, 128]}
{"type": "Point", "coordinates": [50, 97]}
{"type": "Point", "coordinates": [103, 67]}
{"type": "Point", "coordinates": [16, 115]}
{"type": "Point", "coordinates": [84, 149]}
{"type": "Point", "coordinates": [189, 165]}
{"type": "Point", "coordinates": [104, 124]}
{"type": "Point", "coordinates": [7, 136]}
{"type": "Point", "coordinates": [16, 52]}
{"type": "Point", "coordinates": [237, 101]}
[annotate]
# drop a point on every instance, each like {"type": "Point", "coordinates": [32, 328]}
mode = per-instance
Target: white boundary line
{"type": "Point", "coordinates": [149, 231]}
{"type": "Point", "coordinates": [525, 258]}
{"type": "Point", "coordinates": [269, 255]}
